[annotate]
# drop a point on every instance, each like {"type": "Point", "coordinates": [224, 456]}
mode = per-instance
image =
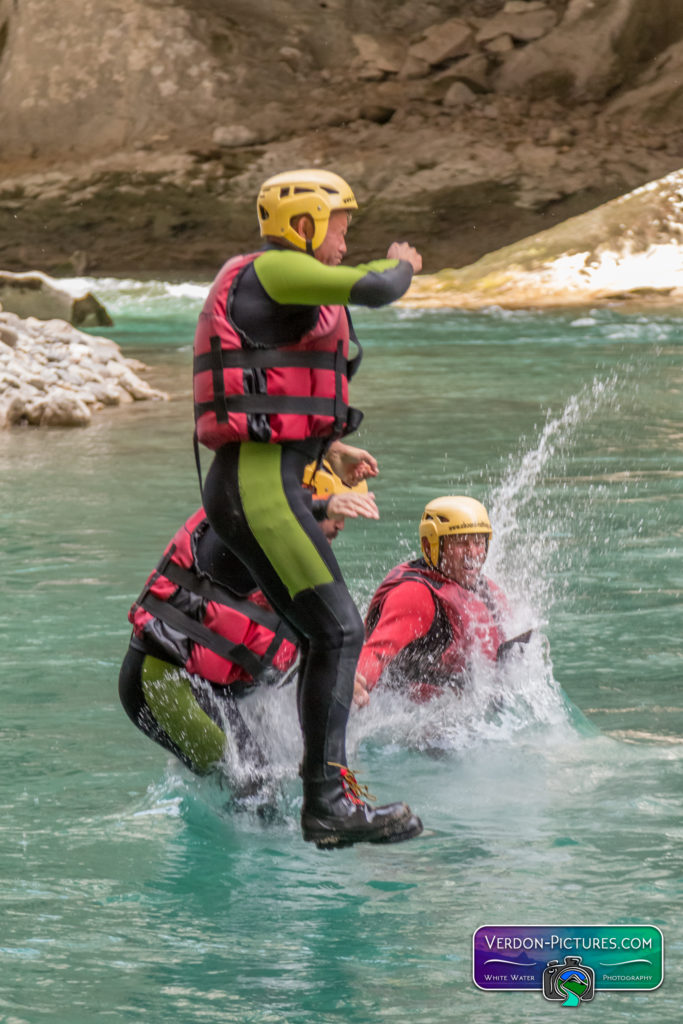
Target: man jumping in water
{"type": "Point", "coordinates": [271, 378]}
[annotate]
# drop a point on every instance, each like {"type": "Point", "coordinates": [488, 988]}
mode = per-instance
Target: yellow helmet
{"type": "Point", "coordinates": [325, 482]}
{"type": "Point", "coordinates": [315, 192]}
{"type": "Point", "coordinates": [454, 514]}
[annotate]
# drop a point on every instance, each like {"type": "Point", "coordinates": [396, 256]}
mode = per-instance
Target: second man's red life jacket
{"type": "Point", "coordinates": [185, 617]}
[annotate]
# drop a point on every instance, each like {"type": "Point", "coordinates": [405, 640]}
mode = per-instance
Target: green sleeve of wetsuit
{"type": "Point", "coordinates": [295, 278]}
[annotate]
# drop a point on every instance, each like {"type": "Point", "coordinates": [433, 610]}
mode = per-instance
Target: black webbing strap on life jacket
{"type": "Point", "coordinates": [210, 591]}
{"type": "Point", "coordinates": [353, 364]}
{"type": "Point", "coordinates": [352, 418]}
{"type": "Point", "coordinates": [218, 359]}
{"type": "Point", "coordinates": [194, 630]}
{"type": "Point", "coordinates": [198, 463]}
{"type": "Point", "coordinates": [340, 406]}
{"type": "Point", "coordinates": [281, 633]}
{"type": "Point", "coordinates": [274, 405]}
{"type": "Point", "coordinates": [262, 359]}
{"type": "Point", "coordinates": [217, 378]}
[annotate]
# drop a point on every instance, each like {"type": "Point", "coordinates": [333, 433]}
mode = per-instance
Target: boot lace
{"type": "Point", "coordinates": [353, 789]}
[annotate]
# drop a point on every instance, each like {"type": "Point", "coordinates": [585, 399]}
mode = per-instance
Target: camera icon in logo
{"type": "Point", "coordinates": [572, 982]}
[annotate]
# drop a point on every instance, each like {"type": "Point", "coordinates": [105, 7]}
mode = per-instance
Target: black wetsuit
{"type": "Point", "coordinates": [252, 495]}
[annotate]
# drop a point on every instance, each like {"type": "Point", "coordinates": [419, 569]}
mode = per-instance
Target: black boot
{"type": "Point", "coordinates": [334, 814]}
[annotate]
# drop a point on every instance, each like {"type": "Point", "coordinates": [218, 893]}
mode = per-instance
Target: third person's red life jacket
{"type": "Point", "coordinates": [465, 621]}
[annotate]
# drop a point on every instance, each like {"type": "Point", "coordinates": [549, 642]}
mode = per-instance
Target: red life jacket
{"type": "Point", "coordinates": [300, 390]}
{"type": "Point", "coordinates": [185, 617]}
{"type": "Point", "coordinates": [471, 615]}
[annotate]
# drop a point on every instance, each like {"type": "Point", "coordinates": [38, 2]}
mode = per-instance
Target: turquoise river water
{"type": "Point", "coordinates": [128, 889]}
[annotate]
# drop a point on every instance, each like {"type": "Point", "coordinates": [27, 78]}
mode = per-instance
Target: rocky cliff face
{"type": "Point", "coordinates": [136, 132]}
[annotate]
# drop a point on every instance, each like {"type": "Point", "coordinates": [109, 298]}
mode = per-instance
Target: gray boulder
{"type": "Point", "coordinates": [36, 294]}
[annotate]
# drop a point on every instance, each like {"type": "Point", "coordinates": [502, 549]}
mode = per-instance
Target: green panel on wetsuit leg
{"type": "Point", "coordinates": [170, 699]}
{"type": "Point", "coordinates": [288, 547]}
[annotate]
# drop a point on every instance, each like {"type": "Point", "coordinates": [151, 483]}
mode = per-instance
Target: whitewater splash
{"type": "Point", "coordinates": [536, 527]}
{"type": "Point", "coordinates": [501, 702]}
{"type": "Point", "coordinates": [133, 297]}
{"type": "Point", "coordinates": [538, 533]}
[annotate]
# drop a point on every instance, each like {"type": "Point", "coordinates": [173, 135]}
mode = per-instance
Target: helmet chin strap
{"type": "Point", "coordinates": [309, 246]}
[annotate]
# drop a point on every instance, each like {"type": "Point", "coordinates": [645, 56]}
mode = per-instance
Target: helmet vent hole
{"type": "Point", "coordinates": [298, 191]}
{"type": "Point", "coordinates": [263, 212]}
{"type": "Point", "coordinates": [284, 192]}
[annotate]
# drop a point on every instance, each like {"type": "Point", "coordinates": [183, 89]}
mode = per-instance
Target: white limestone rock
{"type": "Point", "coordinates": [8, 336]}
{"type": "Point", "coordinates": [63, 408]}
{"type": "Point", "coordinates": [55, 375]}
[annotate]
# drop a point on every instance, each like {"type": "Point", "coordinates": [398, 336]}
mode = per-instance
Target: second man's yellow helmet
{"type": "Point", "coordinates": [453, 514]}
{"type": "Point", "coordinates": [293, 193]}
